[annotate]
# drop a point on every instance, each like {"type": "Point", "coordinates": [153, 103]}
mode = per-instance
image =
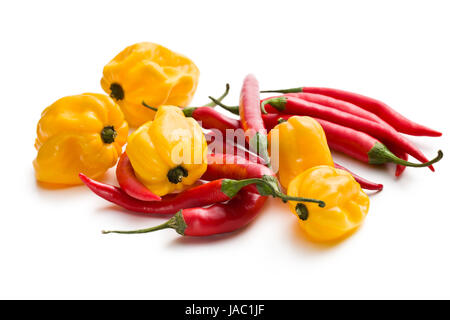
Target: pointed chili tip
{"type": "Point", "coordinates": [427, 132]}
{"type": "Point", "coordinates": [376, 187]}
{"type": "Point", "coordinates": [105, 231]}
{"type": "Point", "coordinates": [83, 177]}
{"type": "Point", "coordinates": [399, 170]}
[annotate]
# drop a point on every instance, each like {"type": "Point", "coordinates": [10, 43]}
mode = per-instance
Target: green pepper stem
{"type": "Point", "coordinates": [286, 198]}
{"type": "Point", "coordinates": [291, 90]}
{"type": "Point", "coordinates": [213, 104]}
{"type": "Point", "coordinates": [278, 103]}
{"type": "Point", "coordinates": [259, 144]}
{"type": "Point", "coordinates": [177, 222]}
{"type": "Point", "coordinates": [188, 111]}
{"type": "Point", "coordinates": [232, 109]}
{"type": "Point", "coordinates": [397, 160]}
{"type": "Point", "coordinates": [267, 186]}
{"type": "Point", "coordinates": [165, 225]}
{"type": "Point", "coordinates": [380, 154]}
{"type": "Point", "coordinates": [147, 106]}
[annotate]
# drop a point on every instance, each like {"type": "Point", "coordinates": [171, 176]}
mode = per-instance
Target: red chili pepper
{"type": "Point", "coordinates": [338, 105]}
{"type": "Point", "coordinates": [354, 143]}
{"type": "Point", "coordinates": [251, 120]}
{"type": "Point", "coordinates": [130, 184]}
{"type": "Point", "coordinates": [395, 119]}
{"type": "Point", "coordinates": [355, 110]}
{"type": "Point", "coordinates": [364, 183]}
{"type": "Point", "coordinates": [238, 171]}
{"type": "Point", "coordinates": [271, 121]}
{"type": "Point", "coordinates": [198, 196]}
{"type": "Point", "coordinates": [292, 105]}
{"type": "Point", "coordinates": [319, 99]}
{"type": "Point", "coordinates": [212, 119]}
{"type": "Point", "coordinates": [216, 219]}
{"type": "Point", "coordinates": [246, 199]}
{"type": "Point", "coordinates": [397, 151]}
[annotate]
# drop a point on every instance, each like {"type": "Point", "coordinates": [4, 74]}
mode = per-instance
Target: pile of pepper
{"type": "Point", "coordinates": [211, 183]}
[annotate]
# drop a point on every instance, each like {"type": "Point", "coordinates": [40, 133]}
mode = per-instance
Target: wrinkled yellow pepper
{"type": "Point", "coordinates": [302, 145]}
{"type": "Point", "coordinates": [82, 133]}
{"type": "Point", "coordinates": [346, 204]}
{"type": "Point", "coordinates": [169, 152]}
{"type": "Point", "coordinates": [152, 73]}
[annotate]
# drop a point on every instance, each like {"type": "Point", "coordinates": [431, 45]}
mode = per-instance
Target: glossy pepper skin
{"type": "Point", "coordinates": [346, 209]}
{"type": "Point", "coordinates": [169, 152]}
{"type": "Point", "coordinates": [152, 73]}
{"type": "Point", "coordinates": [302, 145]}
{"type": "Point", "coordinates": [81, 133]}
{"type": "Point", "coordinates": [130, 184]}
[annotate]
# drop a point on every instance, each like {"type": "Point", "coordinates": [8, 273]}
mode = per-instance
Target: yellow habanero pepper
{"type": "Point", "coordinates": [82, 133]}
{"type": "Point", "coordinates": [168, 152]}
{"type": "Point", "coordinates": [346, 204]}
{"type": "Point", "coordinates": [302, 145]}
{"type": "Point", "coordinates": [152, 73]}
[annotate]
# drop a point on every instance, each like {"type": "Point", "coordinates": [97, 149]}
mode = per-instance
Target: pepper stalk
{"type": "Point", "coordinates": [188, 111]}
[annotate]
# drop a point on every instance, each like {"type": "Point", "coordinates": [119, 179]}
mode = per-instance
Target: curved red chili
{"type": "Point", "coordinates": [246, 199]}
{"type": "Point", "coordinates": [364, 183]}
{"type": "Point", "coordinates": [354, 143]}
{"type": "Point", "coordinates": [338, 105]}
{"type": "Point", "coordinates": [238, 172]}
{"type": "Point", "coordinates": [198, 196]}
{"type": "Point", "coordinates": [219, 218]}
{"type": "Point", "coordinates": [395, 119]}
{"type": "Point", "coordinates": [293, 105]}
{"type": "Point", "coordinates": [130, 184]}
{"type": "Point", "coordinates": [212, 119]}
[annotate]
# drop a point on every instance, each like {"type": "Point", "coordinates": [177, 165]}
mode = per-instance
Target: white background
{"type": "Point", "coordinates": [396, 51]}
